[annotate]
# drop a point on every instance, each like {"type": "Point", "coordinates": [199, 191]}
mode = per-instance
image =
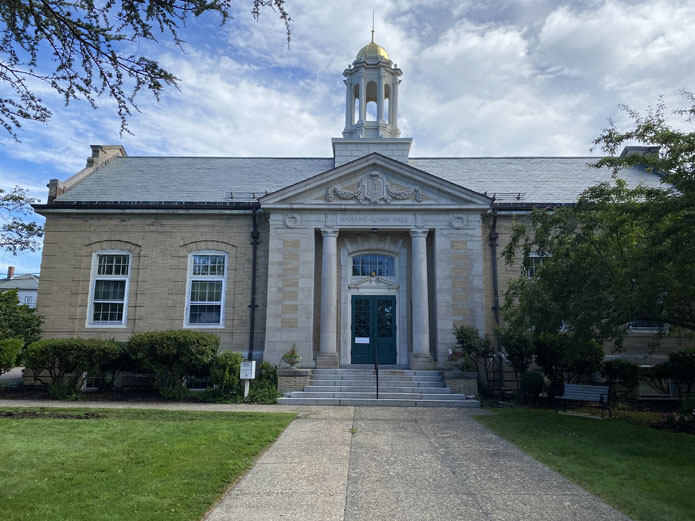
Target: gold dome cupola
{"type": "Point", "coordinates": [371, 83]}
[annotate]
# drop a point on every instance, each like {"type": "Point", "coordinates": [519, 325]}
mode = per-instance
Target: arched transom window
{"type": "Point", "coordinates": [373, 265]}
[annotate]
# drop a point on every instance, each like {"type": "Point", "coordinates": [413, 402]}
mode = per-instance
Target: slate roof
{"type": "Point", "coordinates": [24, 282]}
{"type": "Point", "coordinates": [224, 179]}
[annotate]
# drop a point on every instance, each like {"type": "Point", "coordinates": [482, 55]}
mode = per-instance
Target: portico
{"type": "Point", "coordinates": [365, 256]}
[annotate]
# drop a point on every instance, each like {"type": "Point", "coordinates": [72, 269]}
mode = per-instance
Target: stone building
{"type": "Point", "coordinates": [368, 249]}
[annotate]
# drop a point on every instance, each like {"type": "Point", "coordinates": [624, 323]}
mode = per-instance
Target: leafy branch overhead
{"type": "Point", "coordinates": [15, 234]}
{"type": "Point", "coordinates": [83, 49]}
{"type": "Point", "coordinates": [621, 253]}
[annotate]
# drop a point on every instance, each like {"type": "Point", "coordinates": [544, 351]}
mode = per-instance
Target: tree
{"type": "Point", "coordinates": [83, 49]}
{"type": "Point", "coordinates": [18, 320]}
{"type": "Point", "coordinates": [620, 253]}
{"type": "Point", "coordinates": [16, 234]}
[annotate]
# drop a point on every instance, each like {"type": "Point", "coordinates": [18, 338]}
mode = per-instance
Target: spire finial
{"type": "Point", "coordinates": [372, 26]}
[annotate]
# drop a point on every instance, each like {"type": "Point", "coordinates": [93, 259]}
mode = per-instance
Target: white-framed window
{"type": "Point", "coordinates": [535, 261]}
{"type": "Point", "coordinates": [373, 265]}
{"type": "Point", "coordinates": [108, 289]}
{"type": "Point", "coordinates": [206, 289]}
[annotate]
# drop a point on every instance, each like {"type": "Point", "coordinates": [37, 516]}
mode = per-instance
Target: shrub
{"type": "Point", "coordinates": [225, 372]}
{"type": "Point", "coordinates": [478, 349]}
{"type": "Point", "coordinates": [565, 357]}
{"type": "Point", "coordinates": [622, 372]}
{"type": "Point", "coordinates": [264, 388]}
{"type": "Point", "coordinates": [9, 351]}
{"type": "Point", "coordinates": [519, 348]}
{"type": "Point", "coordinates": [171, 355]}
{"type": "Point", "coordinates": [67, 359]}
{"type": "Point", "coordinates": [679, 368]}
{"type": "Point", "coordinates": [532, 384]}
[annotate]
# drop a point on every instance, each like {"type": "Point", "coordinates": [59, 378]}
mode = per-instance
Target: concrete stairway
{"type": "Point", "coordinates": [397, 388]}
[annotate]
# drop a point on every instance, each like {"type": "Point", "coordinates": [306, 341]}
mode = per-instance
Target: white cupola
{"type": "Point", "coordinates": [371, 108]}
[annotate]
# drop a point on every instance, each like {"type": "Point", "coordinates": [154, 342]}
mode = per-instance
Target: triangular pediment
{"type": "Point", "coordinates": [375, 181]}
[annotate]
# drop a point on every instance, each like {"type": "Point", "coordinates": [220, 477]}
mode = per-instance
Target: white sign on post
{"type": "Point", "coordinates": [246, 373]}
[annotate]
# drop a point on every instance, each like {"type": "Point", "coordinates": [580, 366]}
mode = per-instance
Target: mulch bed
{"type": "Point", "coordinates": [27, 415]}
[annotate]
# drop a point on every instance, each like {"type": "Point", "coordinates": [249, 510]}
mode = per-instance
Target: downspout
{"type": "Point", "coordinates": [495, 291]}
{"type": "Point", "coordinates": [254, 260]}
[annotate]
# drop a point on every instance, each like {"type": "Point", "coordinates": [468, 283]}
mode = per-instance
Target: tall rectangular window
{"type": "Point", "coordinates": [109, 289]}
{"type": "Point", "coordinates": [207, 273]}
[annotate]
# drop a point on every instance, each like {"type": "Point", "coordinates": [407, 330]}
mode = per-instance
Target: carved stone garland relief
{"type": "Point", "coordinates": [374, 188]}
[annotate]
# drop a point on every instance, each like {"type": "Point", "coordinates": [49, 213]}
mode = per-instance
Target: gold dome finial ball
{"type": "Point", "coordinates": [372, 50]}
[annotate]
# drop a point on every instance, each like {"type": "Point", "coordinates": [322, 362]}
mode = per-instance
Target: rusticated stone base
{"type": "Point", "coordinates": [293, 379]}
{"type": "Point", "coordinates": [462, 382]}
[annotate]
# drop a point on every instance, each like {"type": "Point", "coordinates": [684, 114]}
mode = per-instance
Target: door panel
{"type": "Point", "coordinates": [373, 327]}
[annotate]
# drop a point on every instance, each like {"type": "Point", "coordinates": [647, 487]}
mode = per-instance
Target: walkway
{"type": "Point", "coordinates": [369, 463]}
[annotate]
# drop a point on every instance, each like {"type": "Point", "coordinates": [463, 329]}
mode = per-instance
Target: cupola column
{"type": "Point", "coordinates": [363, 98]}
{"type": "Point", "coordinates": [380, 99]}
{"type": "Point", "coordinates": [393, 109]}
{"type": "Point", "coordinates": [349, 105]}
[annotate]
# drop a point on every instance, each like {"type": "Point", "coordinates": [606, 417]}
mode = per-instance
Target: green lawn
{"type": "Point", "coordinates": [648, 474]}
{"type": "Point", "coordinates": [125, 464]}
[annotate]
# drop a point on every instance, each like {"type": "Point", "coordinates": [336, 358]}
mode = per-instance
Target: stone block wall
{"type": "Point", "coordinates": [462, 383]}
{"type": "Point", "coordinates": [293, 379]}
{"type": "Point", "coordinates": [160, 245]}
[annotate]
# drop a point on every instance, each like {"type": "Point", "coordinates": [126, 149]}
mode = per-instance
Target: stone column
{"type": "Point", "coordinates": [328, 353]}
{"type": "Point", "coordinates": [380, 99]}
{"type": "Point", "coordinates": [393, 106]}
{"type": "Point", "coordinates": [421, 358]}
{"type": "Point", "coordinates": [349, 105]}
{"type": "Point", "coordinates": [363, 98]}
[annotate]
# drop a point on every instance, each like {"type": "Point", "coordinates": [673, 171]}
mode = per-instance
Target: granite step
{"type": "Point", "coordinates": [401, 372]}
{"type": "Point", "coordinates": [372, 388]}
{"type": "Point", "coordinates": [382, 377]}
{"type": "Point", "coordinates": [369, 402]}
{"type": "Point", "coordinates": [372, 382]}
{"type": "Point", "coordinates": [382, 395]}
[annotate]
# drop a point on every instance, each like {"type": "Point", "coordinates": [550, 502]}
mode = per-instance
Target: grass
{"type": "Point", "coordinates": [125, 464]}
{"type": "Point", "coordinates": [648, 474]}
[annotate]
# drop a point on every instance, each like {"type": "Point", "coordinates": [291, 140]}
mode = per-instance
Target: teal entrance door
{"type": "Point", "coordinates": [373, 328]}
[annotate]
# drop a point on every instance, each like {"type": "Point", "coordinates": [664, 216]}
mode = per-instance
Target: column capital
{"type": "Point", "coordinates": [329, 232]}
{"type": "Point", "coordinates": [418, 232]}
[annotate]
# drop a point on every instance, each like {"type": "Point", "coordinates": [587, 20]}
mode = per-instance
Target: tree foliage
{"type": "Point", "coordinates": [16, 233]}
{"type": "Point", "coordinates": [621, 253]}
{"type": "Point", "coordinates": [83, 49]}
{"type": "Point", "coordinates": [18, 320]}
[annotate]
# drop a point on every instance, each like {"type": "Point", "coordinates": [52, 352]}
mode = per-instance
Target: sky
{"type": "Point", "coordinates": [480, 78]}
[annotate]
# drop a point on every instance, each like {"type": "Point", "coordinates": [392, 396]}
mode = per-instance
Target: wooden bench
{"type": "Point", "coordinates": [587, 393]}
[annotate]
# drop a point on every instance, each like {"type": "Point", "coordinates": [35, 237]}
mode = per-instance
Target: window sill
{"type": "Point", "coordinates": [204, 326]}
{"type": "Point", "coordinates": [106, 326]}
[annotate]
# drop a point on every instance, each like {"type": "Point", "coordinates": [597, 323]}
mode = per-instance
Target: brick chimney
{"type": "Point", "coordinates": [10, 272]}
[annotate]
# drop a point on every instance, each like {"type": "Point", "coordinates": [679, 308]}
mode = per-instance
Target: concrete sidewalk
{"type": "Point", "coordinates": [373, 463]}
{"type": "Point", "coordinates": [354, 464]}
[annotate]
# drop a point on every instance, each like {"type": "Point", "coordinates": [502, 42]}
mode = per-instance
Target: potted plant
{"type": "Point", "coordinates": [291, 357]}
